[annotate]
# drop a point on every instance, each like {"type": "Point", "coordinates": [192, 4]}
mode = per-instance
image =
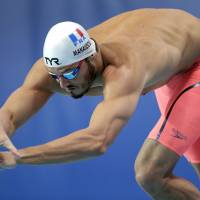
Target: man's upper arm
{"type": "Point", "coordinates": [121, 94]}
{"type": "Point", "coordinates": [110, 116]}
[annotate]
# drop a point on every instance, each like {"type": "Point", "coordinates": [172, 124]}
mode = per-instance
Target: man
{"type": "Point", "coordinates": [124, 57]}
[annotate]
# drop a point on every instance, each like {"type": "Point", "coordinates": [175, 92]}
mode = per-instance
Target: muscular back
{"type": "Point", "coordinates": [145, 34]}
{"type": "Point", "coordinates": [141, 36]}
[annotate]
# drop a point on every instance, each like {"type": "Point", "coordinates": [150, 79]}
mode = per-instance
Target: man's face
{"type": "Point", "coordinates": [81, 83]}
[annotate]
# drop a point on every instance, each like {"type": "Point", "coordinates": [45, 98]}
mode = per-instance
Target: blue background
{"type": "Point", "coordinates": [24, 24]}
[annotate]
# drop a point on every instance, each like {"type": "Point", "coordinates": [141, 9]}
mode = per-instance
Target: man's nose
{"type": "Point", "coordinates": [63, 82]}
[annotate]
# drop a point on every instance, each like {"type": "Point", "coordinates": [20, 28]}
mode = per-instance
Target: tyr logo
{"type": "Point", "coordinates": [51, 60]}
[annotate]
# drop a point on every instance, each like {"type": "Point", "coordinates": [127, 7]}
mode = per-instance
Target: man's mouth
{"type": "Point", "coordinates": [71, 87]}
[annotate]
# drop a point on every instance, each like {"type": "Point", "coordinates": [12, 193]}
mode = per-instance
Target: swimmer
{"type": "Point", "coordinates": [122, 58]}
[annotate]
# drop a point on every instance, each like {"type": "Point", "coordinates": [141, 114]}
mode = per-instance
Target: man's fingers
{"type": "Point", "coordinates": [9, 145]}
{"type": "Point", "coordinates": [12, 148]}
{"type": "Point", "coordinates": [1, 161]}
{"type": "Point", "coordinates": [7, 160]}
{"type": "Point", "coordinates": [1, 157]}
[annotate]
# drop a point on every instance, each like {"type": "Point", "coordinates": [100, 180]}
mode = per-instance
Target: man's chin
{"type": "Point", "coordinates": [78, 96]}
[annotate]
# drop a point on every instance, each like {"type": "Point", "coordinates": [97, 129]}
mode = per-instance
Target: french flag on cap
{"type": "Point", "coordinates": [77, 37]}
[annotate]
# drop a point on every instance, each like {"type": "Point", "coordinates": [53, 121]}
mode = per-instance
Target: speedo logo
{"type": "Point", "coordinates": [177, 134]}
{"type": "Point", "coordinates": [82, 49]}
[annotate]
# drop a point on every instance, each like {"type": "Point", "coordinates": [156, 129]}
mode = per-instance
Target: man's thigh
{"type": "Point", "coordinates": [178, 128]}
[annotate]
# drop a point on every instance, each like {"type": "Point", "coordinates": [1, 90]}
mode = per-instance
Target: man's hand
{"type": "Point", "coordinates": [7, 160]}
{"type": "Point", "coordinates": [5, 142]}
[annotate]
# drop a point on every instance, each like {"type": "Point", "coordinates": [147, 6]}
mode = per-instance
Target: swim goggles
{"type": "Point", "coordinates": [69, 75]}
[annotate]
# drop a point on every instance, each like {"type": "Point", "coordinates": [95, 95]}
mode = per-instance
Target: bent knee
{"type": "Point", "coordinates": [150, 179]}
{"type": "Point", "coordinates": [149, 175]}
{"type": "Point", "coordinates": [151, 167]}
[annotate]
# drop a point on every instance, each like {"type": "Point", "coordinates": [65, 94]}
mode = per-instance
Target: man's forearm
{"type": "Point", "coordinates": [6, 122]}
{"type": "Point", "coordinates": [77, 146]}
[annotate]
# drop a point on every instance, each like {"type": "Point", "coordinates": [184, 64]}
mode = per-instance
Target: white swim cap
{"type": "Point", "coordinates": [67, 43]}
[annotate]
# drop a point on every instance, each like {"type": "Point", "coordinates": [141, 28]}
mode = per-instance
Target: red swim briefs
{"type": "Point", "coordinates": [179, 125]}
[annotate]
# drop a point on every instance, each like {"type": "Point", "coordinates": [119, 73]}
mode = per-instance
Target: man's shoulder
{"type": "Point", "coordinates": [126, 78]}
